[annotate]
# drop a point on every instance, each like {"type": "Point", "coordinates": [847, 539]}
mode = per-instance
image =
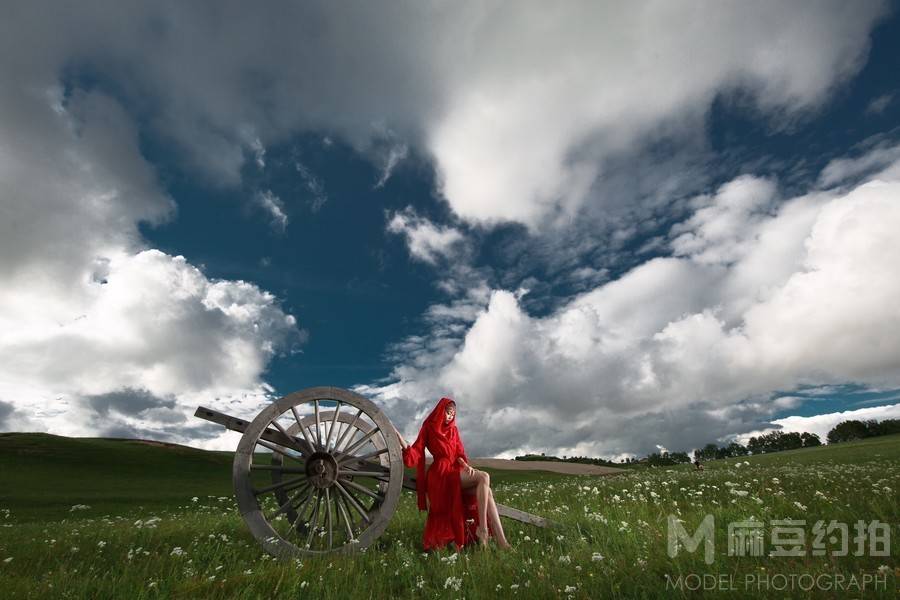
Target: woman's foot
{"type": "Point", "coordinates": [504, 545]}
{"type": "Point", "coordinates": [483, 536]}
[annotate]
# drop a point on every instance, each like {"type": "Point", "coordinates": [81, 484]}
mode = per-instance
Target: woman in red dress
{"type": "Point", "coordinates": [455, 492]}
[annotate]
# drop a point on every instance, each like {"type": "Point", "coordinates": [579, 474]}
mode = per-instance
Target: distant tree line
{"type": "Point", "coordinates": [774, 441]}
{"type": "Point", "coordinates": [846, 431]}
{"type": "Point", "coordinates": [656, 459]}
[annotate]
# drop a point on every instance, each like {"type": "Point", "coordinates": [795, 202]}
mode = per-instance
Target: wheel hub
{"type": "Point", "coordinates": [321, 470]}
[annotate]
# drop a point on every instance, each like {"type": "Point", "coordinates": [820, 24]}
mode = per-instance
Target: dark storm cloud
{"type": "Point", "coordinates": [127, 401]}
{"type": "Point", "coordinates": [6, 409]}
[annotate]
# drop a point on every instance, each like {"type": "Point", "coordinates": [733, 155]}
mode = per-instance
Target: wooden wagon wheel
{"type": "Point", "coordinates": [311, 481]}
{"type": "Point", "coordinates": [345, 424]}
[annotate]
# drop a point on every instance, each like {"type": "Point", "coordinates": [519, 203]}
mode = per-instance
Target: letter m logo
{"type": "Point", "coordinates": [679, 537]}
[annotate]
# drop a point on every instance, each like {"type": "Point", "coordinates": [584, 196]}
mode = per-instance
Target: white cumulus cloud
{"type": "Point", "coordinates": [685, 349]}
{"type": "Point", "coordinates": [100, 334]}
{"type": "Point", "coordinates": [427, 242]}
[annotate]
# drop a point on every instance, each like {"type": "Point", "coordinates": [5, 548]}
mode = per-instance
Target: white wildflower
{"type": "Point", "coordinates": [453, 583]}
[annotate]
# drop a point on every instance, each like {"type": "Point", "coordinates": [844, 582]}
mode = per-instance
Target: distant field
{"type": "Point", "coordinates": [887, 446]}
{"type": "Point", "coordinates": [143, 535]}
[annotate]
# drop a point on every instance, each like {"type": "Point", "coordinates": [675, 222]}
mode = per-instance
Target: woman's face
{"type": "Point", "coordinates": [449, 412]}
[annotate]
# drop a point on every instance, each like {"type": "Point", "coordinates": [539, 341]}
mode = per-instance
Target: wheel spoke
{"type": "Point", "coordinates": [328, 517]}
{"type": "Point", "coordinates": [278, 468]}
{"type": "Point", "coordinates": [362, 489]}
{"type": "Point", "coordinates": [302, 429]}
{"type": "Point", "coordinates": [342, 512]}
{"type": "Point", "coordinates": [373, 454]}
{"type": "Point", "coordinates": [319, 447]}
{"type": "Point", "coordinates": [280, 450]}
{"type": "Point", "coordinates": [359, 500]}
{"type": "Point", "coordinates": [281, 484]}
{"type": "Point", "coordinates": [351, 515]}
{"type": "Point", "coordinates": [293, 441]}
{"type": "Point", "coordinates": [340, 427]}
{"type": "Point", "coordinates": [352, 473]}
{"type": "Point", "coordinates": [358, 443]}
{"type": "Point", "coordinates": [286, 506]}
{"type": "Point", "coordinates": [359, 463]}
{"type": "Point", "coordinates": [353, 502]}
{"type": "Point", "coordinates": [337, 409]}
{"type": "Point", "coordinates": [337, 444]}
{"type": "Point", "coordinates": [301, 509]}
{"type": "Point", "coordinates": [315, 515]}
{"type": "Point", "coordinates": [318, 433]}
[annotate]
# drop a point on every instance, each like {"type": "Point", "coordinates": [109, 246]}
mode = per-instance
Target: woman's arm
{"type": "Point", "coordinates": [461, 451]}
{"type": "Point", "coordinates": [461, 457]}
{"type": "Point", "coordinates": [413, 452]}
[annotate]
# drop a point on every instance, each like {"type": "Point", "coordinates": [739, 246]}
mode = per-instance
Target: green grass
{"type": "Point", "coordinates": [42, 476]}
{"type": "Point", "coordinates": [887, 446]}
{"type": "Point", "coordinates": [141, 510]}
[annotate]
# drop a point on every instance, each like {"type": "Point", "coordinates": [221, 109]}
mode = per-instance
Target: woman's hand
{"type": "Point", "coordinates": [403, 443]}
{"type": "Point", "coordinates": [469, 470]}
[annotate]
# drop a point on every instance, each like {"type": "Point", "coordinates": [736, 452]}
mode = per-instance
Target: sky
{"type": "Point", "coordinates": [602, 228]}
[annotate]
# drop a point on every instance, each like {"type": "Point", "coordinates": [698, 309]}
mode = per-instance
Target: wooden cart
{"type": "Point", "coordinates": [321, 470]}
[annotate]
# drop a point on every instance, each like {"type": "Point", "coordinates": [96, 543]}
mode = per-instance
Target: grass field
{"type": "Point", "coordinates": [93, 518]}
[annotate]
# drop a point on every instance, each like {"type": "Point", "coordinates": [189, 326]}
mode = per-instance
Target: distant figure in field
{"type": "Point", "coordinates": [447, 478]}
{"type": "Point", "coordinates": [697, 465]}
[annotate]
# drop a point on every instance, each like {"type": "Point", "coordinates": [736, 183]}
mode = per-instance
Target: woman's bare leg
{"type": "Point", "coordinates": [494, 516]}
{"type": "Point", "coordinates": [482, 482]}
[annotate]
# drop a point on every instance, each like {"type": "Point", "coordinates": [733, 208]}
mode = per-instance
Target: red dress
{"type": "Point", "coordinates": [449, 506]}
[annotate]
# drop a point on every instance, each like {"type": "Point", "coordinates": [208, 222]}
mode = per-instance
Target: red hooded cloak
{"type": "Point", "coordinates": [449, 506]}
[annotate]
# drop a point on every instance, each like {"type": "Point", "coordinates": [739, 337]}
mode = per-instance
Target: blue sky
{"type": "Point", "coordinates": [601, 229]}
